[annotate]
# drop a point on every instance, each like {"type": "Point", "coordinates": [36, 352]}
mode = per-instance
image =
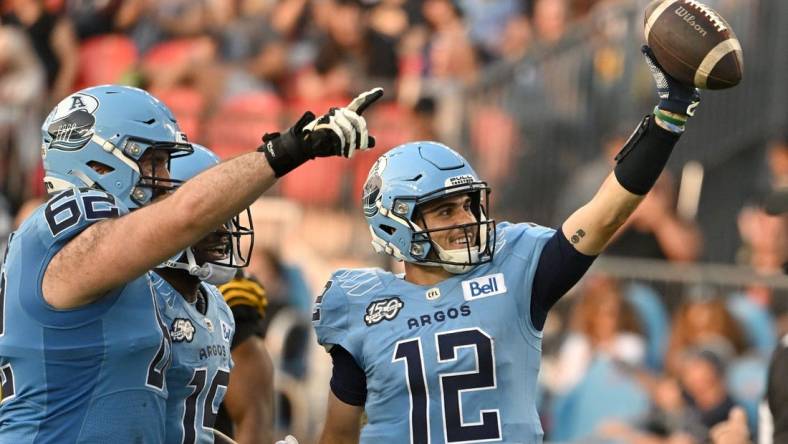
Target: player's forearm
{"type": "Point", "coordinates": [221, 438]}
{"type": "Point", "coordinates": [249, 400]}
{"type": "Point", "coordinates": [343, 422]}
{"type": "Point", "coordinates": [147, 237]}
{"type": "Point", "coordinates": [213, 197]}
{"type": "Point", "coordinates": [330, 437]}
{"type": "Point", "coordinates": [591, 227]}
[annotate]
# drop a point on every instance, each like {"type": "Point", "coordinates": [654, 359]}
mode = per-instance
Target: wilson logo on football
{"type": "Point", "coordinates": [385, 309]}
{"type": "Point", "coordinates": [182, 330]}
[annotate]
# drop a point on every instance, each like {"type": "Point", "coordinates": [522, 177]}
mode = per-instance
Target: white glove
{"type": "Point", "coordinates": [347, 125]}
{"type": "Point", "coordinates": [289, 439]}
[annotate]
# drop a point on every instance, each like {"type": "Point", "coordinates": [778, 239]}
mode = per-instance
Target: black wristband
{"type": "Point", "coordinates": [286, 151]}
{"type": "Point", "coordinates": [641, 161]}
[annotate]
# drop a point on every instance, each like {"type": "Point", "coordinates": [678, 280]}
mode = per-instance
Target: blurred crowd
{"type": "Point", "coordinates": [670, 360]}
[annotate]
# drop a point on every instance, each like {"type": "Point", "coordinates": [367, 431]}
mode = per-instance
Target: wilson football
{"type": "Point", "coordinates": [693, 43]}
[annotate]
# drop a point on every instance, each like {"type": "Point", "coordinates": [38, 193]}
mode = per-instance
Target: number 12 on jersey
{"type": "Point", "coordinates": [452, 385]}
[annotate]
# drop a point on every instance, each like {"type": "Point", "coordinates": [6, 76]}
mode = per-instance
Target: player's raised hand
{"type": "Point", "coordinates": [674, 96]}
{"type": "Point", "coordinates": [340, 132]}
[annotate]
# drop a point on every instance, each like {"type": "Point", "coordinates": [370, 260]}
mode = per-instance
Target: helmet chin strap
{"type": "Point", "coordinates": [459, 255]}
{"type": "Point", "coordinates": [208, 272]}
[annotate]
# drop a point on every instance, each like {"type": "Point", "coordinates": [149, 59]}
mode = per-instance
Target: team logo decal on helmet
{"type": "Point", "coordinates": [113, 138]}
{"type": "Point", "coordinates": [71, 123]}
{"type": "Point", "coordinates": [371, 194]}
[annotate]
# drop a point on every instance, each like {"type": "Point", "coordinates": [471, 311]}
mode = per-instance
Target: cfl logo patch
{"type": "Point", "coordinates": [385, 309]}
{"type": "Point", "coordinates": [182, 330]}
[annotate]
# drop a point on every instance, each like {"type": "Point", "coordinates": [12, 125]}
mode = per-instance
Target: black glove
{"type": "Point", "coordinates": [340, 132]}
{"type": "Point", "coordinates": [674, 96]}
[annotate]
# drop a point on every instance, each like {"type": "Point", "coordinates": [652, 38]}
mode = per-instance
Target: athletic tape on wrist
{"type": "Point", "coordinates": [671, 119]}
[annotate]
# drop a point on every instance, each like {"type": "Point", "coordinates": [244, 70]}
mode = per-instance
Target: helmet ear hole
{"type": "Point", "coordinates": [387, 228]}
{"type": "Point", "coordinates": [100, 168]}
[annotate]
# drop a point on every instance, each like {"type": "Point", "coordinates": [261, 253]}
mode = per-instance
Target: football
{"type": "Point", "coordinates": [693, 43]}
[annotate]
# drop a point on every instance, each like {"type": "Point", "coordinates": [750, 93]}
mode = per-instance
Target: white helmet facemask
{"type": "Point", "coordinates": [460, 260]}
{"type": "Point", "coordinates": [209, 272]}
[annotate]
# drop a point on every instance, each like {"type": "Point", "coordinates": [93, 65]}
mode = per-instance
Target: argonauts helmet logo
{"type": "Point", "coordinates": [71, 123]}
{"type": "Point", "coordinates": [371, 193]}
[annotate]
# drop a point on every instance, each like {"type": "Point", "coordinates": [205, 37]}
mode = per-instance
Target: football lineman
{"type": "Point", "coordinates": [450, 352]}
{"type": "Point", "coordinates": [83, 350]}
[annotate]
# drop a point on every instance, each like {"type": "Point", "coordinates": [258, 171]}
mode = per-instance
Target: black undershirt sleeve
{"type": "Point", "coordinates": [348, 380]}
{"type": "Point", "coordinates": [560, 267]}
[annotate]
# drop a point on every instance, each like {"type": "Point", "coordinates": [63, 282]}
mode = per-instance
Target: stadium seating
{"type": "Point", "coordinates": [105, 59]}
{"type": "Point", "coordinates": [187, 105]}
{"type": "Point", "coordinates": [240, 122]}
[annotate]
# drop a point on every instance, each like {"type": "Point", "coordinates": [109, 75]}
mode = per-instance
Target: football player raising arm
{"type": "Point", "coordinates": [82, 342]}
{"type": "Point", "coordinates": [450, 351]}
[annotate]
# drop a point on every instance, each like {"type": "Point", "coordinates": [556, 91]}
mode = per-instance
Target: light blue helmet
{"type": "Point", "coordinates": [410, 175]}
{"type": "Point", "coordinates": [238, 233]}
{"type": "Point", "coordinates": [96, 137]}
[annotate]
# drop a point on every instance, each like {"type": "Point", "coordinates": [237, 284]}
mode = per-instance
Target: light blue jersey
{"type": "Point", "coordinates": [201, 364]}
{"type": "Point", "coordinates": [457, 362]}
{"type": "Point", "coordinates": [93, 374]}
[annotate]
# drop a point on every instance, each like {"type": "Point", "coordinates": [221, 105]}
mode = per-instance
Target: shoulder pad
{"type": "Point", "coordinates": [519, 236]}
{"type": "Point", "coordinates": [361, 281]}
{"type": "Point", "coordinates": [330, 314]}
{"type": "Point", "coordinates": [334, 309]}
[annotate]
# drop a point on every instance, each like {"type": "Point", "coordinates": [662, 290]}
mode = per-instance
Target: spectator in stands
{"type": "Point", "coordinates": [516, 38]}
{"type": "Point", "coordinates": [487, 22]}
{"type": "Point", "coordinates": [656, 231]}
{"type": "Point", "coordinates": [423, 119]}
{"type": "Point", "coordinates": [54, 42]}
{"type": "Point", "coordinates": [450, 55]}
{"type": "Point", "coordinates": [550, 19]}
{"type": "Point", "coordinates": [602, 324]}
{"type": "Point", "coordinates": [255, 56]}
{"type": "Point", "coordinates": [160, 21]}
{"type": "Point", "coordinates": [778, 161]}
{"type": "Point", "coordinates": [764, 246]}
{"type": "Point", "coordinates": [369, 55]}
{"type": "Point", "coordinates": [697, 322]}
{"type": "Point", "coordinates": [92, 18]}
{"type": "Point", "coordinates": [734, 430]}
{"type": "Point", "coordinates": [22, 96]}
{"type": "Point", "coordinates": [688, 407]}
{"type": "Point", "coordinates": [389, 18]}
{"type": "Point", "coordinates": [588, 176]}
